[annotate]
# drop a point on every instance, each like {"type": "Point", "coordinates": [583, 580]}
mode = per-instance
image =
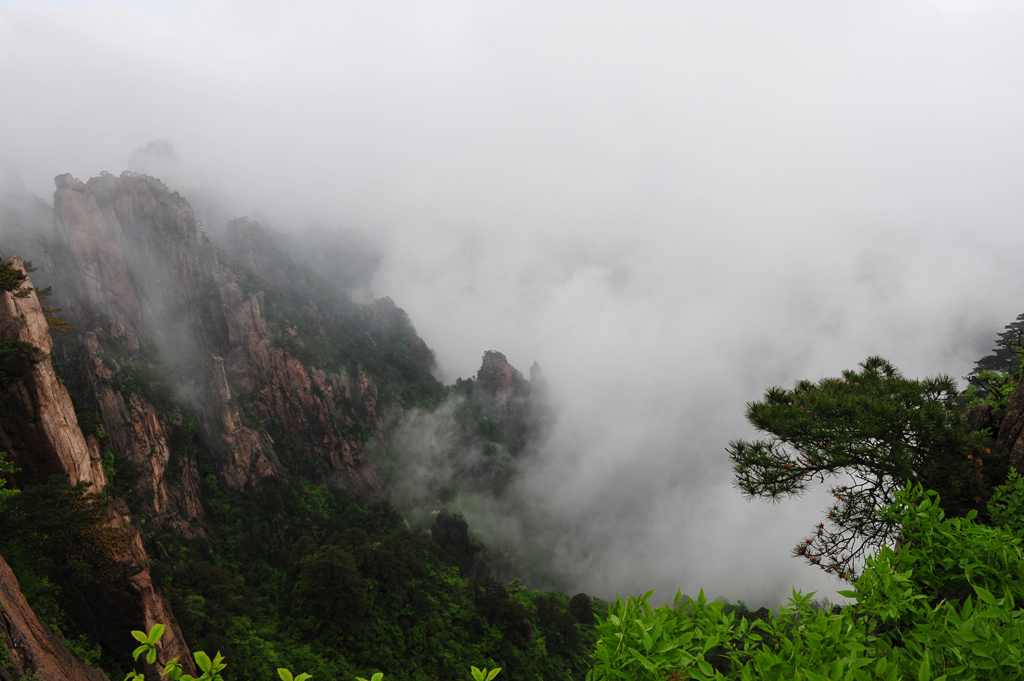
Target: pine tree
{"type": "Point", "coordinates": [1005, 357]}
{"type": "Point", "coordinates": [873, 429]}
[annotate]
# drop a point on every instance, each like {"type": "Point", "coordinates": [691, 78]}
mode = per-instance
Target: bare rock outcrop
{"type": "Point", "coordinates": [40, 430]}
{"type": "Point", "coordinates": [38, 426]}
{"type": "Point", "coordinates": [134, 268]}
{"type": "Point", "coordinates": [1011, 430]}
{"type": "Point", "coordinates": [509, 398]}
{"type": "Point", "coordinates": [143, 434]}
{"type": "Point", "coordinates": [503, 384]}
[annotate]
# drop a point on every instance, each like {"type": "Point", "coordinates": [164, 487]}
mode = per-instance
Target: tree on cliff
{"type": "Point", "coordinates": [875, 429]}
{"type": "Point", "coordinates": [11, 278]}
{"type": "Point", "coordinates": [1006, 356]}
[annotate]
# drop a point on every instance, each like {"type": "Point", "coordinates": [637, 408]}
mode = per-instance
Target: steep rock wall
{"type": "Point", "coordinates": [1010, 439]}
{"type": "Point", "coordinates": [38, 425]}
{"type": "Point", "coordinates": [40, 430]}
{"type": "Point", "coordinates": [151, 294]}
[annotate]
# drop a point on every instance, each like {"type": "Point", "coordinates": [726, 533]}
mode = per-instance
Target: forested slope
{"type": "Point", "coordinates": [213, 407]}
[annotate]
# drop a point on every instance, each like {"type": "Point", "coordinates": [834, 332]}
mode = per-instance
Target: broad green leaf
{"type": "Point", "coordinates": [155, 633]}
{"type": "Point", "coordinates": [924, 672]}
{"type": "Point", "coordinates": [647, 664]}
{"type": "Point", "coordinates": [710, 643]}
{"type": "Point", "coordinates": [203, 660]}
{"type": "Point", "coordinates": [984, 595]}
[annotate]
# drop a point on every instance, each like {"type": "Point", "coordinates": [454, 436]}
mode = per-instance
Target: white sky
{"type": "Point", "coordinates": [669, 205]}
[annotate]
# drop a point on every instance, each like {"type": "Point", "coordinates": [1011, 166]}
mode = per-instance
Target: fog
{"type": "Point", "coordinates": [669, 206]}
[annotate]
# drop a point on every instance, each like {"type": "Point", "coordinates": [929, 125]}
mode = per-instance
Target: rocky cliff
{"type": "Point", "coordinates": [1010, 431]}
{"type": "Point", "coordinates": [39, 430]}
{"type": "Point", "coordinates": [518, 404]}
{"type": "Point", "coordinates": [38, 425]}
{"type": "Point", "coordinates": [183, 378]}
{"type": "Point", "coordinates": [202, 374]}
{"type": "Point", "coordinates": [174, 340]}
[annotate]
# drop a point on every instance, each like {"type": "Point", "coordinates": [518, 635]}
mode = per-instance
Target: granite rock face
{"type": "Point", "coordinates": [39, 429]}
{"type": "Point", "coordinates": [1011, 429]}
{"type": "Point", "coordinates": [518, 404]}
{"type": "Point", "coordinates": [185, 365]}
{"type": "Point", "coordinates": [38, 426]}
{"type": "Point", "coordinates": [151, 294]}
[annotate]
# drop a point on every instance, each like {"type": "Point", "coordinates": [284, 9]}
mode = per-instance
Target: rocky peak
{"type": "Point", "coordinates": [135, 271]}
{"type": "Point", "coordinates": [512, 400]}
{"type": "Point", "coordinates": [497, 377]}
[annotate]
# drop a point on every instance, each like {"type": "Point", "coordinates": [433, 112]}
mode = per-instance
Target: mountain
{"type": "Point", "coordinates": [217, 430]}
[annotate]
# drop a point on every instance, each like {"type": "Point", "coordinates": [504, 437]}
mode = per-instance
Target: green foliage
{"type": "Point", "coordinates": [58, 541]}
{"type": "Point", "coordinates": [997, 375]}
{"type": "Point", "coordinates": [483, 674]}
{"type": "Point", "coordinates": [56, 323]}
{"type": "Point", "coordinates": [992, 388]}
{"type": "Point", "coordinates": [10, 278]}
{"type": "Point", "coordinates": [330, 588]}
{"type": "Point", "coordinates": [875, 428]}
{"type": "Point", "coordinates": [945, 606]}
{"type": "Point", "coordinates": [303, 575]}
{"type": "Point", "coordinates": [1006, 507]}
{"type": "Point", "coordinates": [582, 608]}
{"type": "Point", "coordinates": [61, 533]}
{"type": "Point", "coordinates": [211, 668]}
{"type": "Point", "coordinates": [310, 319]}
{"type": "Point", "coordinates": [6, 468]}
{"type": "Point", "coordinates": [1006, 357]}
{"type": "Point", "coordinates": [16, 361]}
{"type": "Point", "coordinates": [123, 474]}
{"type": "Point", "coordinates": [84, 649]}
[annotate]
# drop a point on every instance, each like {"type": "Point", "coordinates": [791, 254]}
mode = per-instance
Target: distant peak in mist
{"type": "Point", "coordinates": [158, 159]}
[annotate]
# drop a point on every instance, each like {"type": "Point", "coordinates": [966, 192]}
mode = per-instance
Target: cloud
{"type": "Point", "coordinates": [671, 206]}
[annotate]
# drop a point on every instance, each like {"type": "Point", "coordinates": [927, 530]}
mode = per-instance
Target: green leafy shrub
{"type": "Point", "coordinates": [212, 668]}
{"type": "Point", "coordinates": [10, 278]}
{"type": "Point", "coordinates": [945, 606]}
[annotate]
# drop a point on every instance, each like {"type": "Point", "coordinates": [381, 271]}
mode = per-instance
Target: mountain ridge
{"type": "Point", "coordinates": [199, 373]}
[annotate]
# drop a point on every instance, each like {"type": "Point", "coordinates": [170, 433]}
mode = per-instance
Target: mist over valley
{"type": "Point", "coordinates": [664, 210]}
